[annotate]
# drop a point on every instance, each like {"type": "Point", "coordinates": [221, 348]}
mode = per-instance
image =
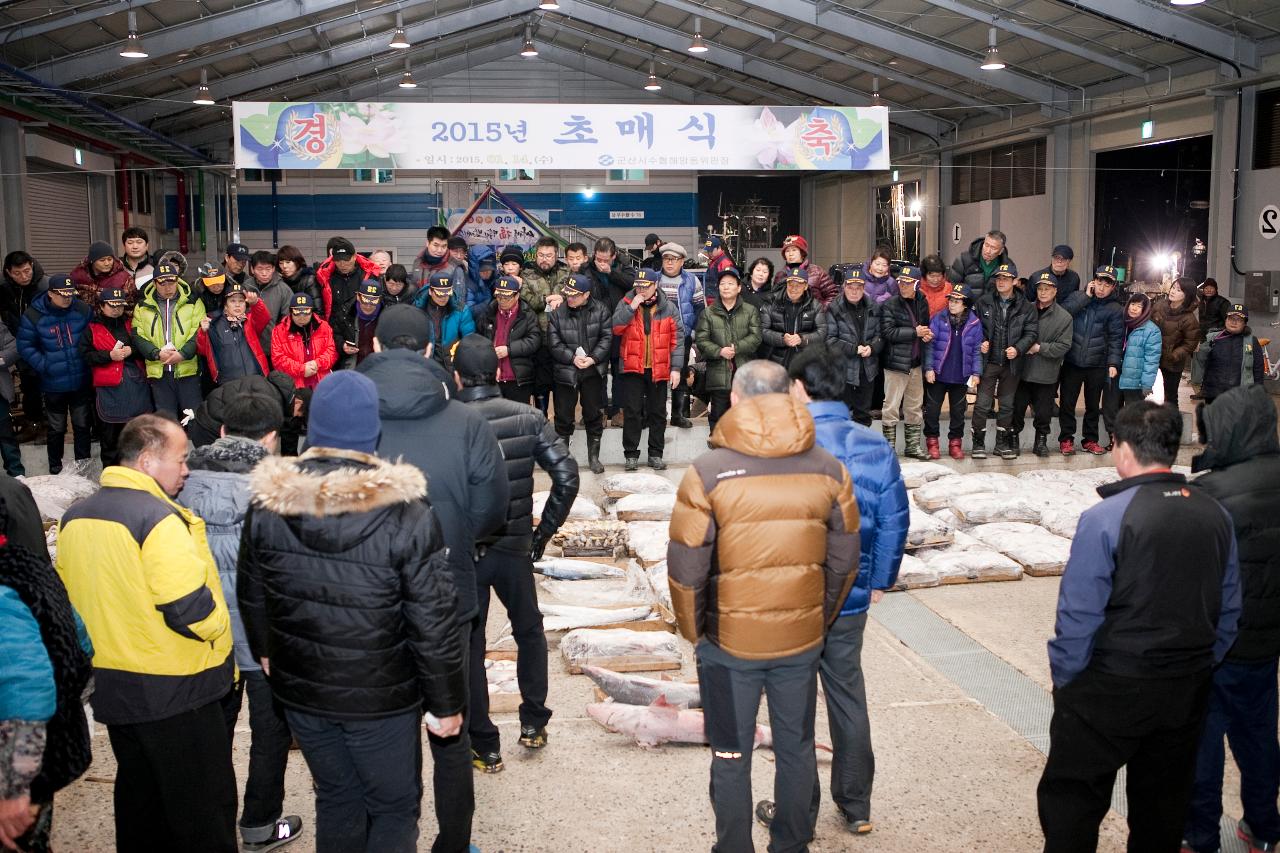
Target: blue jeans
{"type": "Point", "coordinates": [1243, 707]}
{"type": "Point", "coordinates": [368, 779]}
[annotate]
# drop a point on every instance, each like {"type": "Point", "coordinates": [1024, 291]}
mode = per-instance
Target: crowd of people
{"type": "Point", "coordinates": [347, 594]}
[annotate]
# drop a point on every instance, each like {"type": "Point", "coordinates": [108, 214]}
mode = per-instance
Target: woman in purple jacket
{"type": "Point", "coordinates": [956, 366]}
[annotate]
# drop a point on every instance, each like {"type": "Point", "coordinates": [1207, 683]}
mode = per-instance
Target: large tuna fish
{"type": "Point", "coordinates": [659, 723]}
{"type": "Point", "coordinates": [631, 689]}
{"type": "Point", "coordinates": [576, 570]}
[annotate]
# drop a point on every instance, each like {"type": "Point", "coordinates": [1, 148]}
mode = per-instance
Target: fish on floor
{"type": "Point", "coordinates": [576, 570]}
{"type": "Point", "coordinates": [566, 617]}
{"type": "Point", "coordinates": [659, 723]}
{"type": "Point", "coordinates": [633, 689]}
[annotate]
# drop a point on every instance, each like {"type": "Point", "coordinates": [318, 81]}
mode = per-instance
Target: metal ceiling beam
{"type": "Point", "coordinates": [1178, 27]}
{"type": "Point", "coordinates": [917, 47]}
{"type": "Point", "coordinates": [312, 62]}
{"type": "Point", "coordinates": [1039, 36]}
{"type": "Point", "coordinates": [222, 130]}
{"type": "Point", "coordinates": [53, 21]}
{"type": "Point", "coordinates": [709, 14]}
{"type": "Point", "coordinates": [159, 43]}
{"type": "Point", "coordinates": [671, 91]}
{"type": "Point", "coordinates": [769, 72]}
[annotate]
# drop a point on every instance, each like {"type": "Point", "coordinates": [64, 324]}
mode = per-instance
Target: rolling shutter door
{"type": "Point", "coordinates": [58, 220]}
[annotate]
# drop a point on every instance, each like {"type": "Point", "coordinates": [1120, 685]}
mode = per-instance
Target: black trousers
{"type": "Point", "coordinates": [173, 395]}
{"type": "Point", "coordinates": [934, 394]}
{"type": "Point", "coordinates": [57, 405]}
{"type": "Point", "coordinates": [1097, 401]}
{"type": "Point", "coordinates": [590, 393]}
{"type": "Point", "coordinates": [858, 399]}
{"type": "Point", "coordinates": [998, 384]}
{"type": "Point", "coordinates": [511, 577]}
{"type": "Point", "coordinates": [1172, 382]}
{"type": "Point", "coordinates": [9, 442]}
{"type": "Point", "coordinates": [644, 405]}
{"type": "Point", "coordinates": [717, 406]}
{"type": "Point", "coordinates": [1129, 396]}
{"type": "Point", "coordinates": [32, 394]}
{"type": "Point", "coordinates": [109, 438]}
{"type": "Point", "coordinates": [1104, 722]}
{"type": "Point", "coordinates": [515, 391]}
{"type": "Point", "coordinates": [269, 742]}
{"type": "Point", "coordinates": [452, 777]}
{"type": "Point", "coordinates": [1039, 396]}
{"type": "Point", "coordinates": [175, 786]}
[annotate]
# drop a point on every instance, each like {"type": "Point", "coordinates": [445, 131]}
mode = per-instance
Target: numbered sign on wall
{"type": "Point", "coordinates": [1269, 222]}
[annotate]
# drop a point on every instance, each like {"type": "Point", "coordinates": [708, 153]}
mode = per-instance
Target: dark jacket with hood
{"type": "Point", "coordinates": [524, 339]}
{"type": "Point", "coordinates": [15, 298]}
{"type": "Point", "coordinates": [1213, 313]}
{"type": "Point", "coordinates": [1016, 326]}
{"type": "Point", "coordinates": [526, 437]}
{"type": "Point", "coordinates": [784, 317]}
{"type": "Point", "coordinates": [851, 325]}
{"type": "Point", "coordinates": [49, 341]}
{"type": "Point", "coordinates": [590, 327]}
{"type": "Point", "coordinates": [1097, 332]}
{"type": "Point", "coordinates": [343, 585]}
{"type": "Point", "coordinates": [967, 269]}
{"type": "Point", "coordinates": [454, 446]}
{"type": "Point", "coordinates": [1242, 458]}
{"type": "Point", "coordinates": [898, 321]}
{"type": "Point", "coordinates": [304, 281]}
{"type": "Point", "coordinates": [1226, 360]}
{"type": "Point", "coordinates": [1179, 332]}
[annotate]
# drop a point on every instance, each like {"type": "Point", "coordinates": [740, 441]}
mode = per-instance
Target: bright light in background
{"type": "Point", "coordinates": [915, 207]}
{"type": "Point", "coordinates": [79, 157]}
{"type": "Point", "coordinates": [1160, 262]}
{"type": "Point", "coordinates": [1148, 129]}
{"type": "Point", "coordinates": [588, 192]}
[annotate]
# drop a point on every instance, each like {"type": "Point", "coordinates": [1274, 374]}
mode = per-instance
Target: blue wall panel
{"type": "Point", "coordinates": [340, 212]}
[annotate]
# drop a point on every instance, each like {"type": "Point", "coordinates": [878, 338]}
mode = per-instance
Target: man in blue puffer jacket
{"type": "Point", "coordinates": [49, 341]}
{"type": "Point", "coordinates": [818, 380]}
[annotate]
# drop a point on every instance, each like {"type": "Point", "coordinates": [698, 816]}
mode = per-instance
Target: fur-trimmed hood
{"type": "Point", "coordinates": [325, 481]}
{"type": "Point", "coordinates": [333, 500]}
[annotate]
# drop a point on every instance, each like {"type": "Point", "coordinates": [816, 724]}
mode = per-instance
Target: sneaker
{"type": "Point", "coordinates": [1255, 845]}
{"type": "Point", "coordinates": [858, 826]}
{"type": "Point", "coordinates": [486, 762]}
{"type": "Point", "coordinates": [633, 463]}
{"type": "Point", "coordinates": [1093, 447]}
{"type": "Point", "coordinates": [616, 421]}
{"type": "Point", "coordinates": [286, 829]}
{"type": "Point", "coordinates": [1067, 446]}
{"type": "Point", "coordinates": [533, 737]}
{"type": "Point", "coordinates": [656, 463]}
{"type": "Point", "coordinates": [765, 812]}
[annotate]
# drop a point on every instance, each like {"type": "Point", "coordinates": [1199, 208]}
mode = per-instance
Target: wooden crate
{"type": "Point", "coordinates": [626, 663]}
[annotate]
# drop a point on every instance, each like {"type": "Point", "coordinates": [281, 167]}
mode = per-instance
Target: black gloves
{"type": "Point", "coordinates": [539, 545]}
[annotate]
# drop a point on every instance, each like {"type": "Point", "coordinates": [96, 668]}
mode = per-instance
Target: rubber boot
{"type": "Point", "coordinates": [890, 435]}
{"type": "Point", "coordinates": [931, 445]}
{"type": "Point", "coordinates": [679, 404]}
{"type": "Point", "coordinates": [593, 454]}
{"type": "Point", "coordinates": [1005, 441]}
{"type": "Point", "coordinates": [1014, 445]}
{"type": "Point", "coordinates": [915, 447]}
{"type": "Point", "coordinates": [955, 448]}
{"type": "Point", "coordinates": [1041, 447]}
{"type": "Point", "coordinates": [979, 449]}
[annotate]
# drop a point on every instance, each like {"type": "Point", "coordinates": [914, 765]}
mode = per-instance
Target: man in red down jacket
{"type": "Point", "coordinates": [302, 346]}
{"type": "Point", "coordinates": [340, 276]}
{"type": "Point", "coordinates": [651, 346]}
{"type": "Point", "coordinates": [795, 253]}
{"type": "Point", "coordinates": [102, 270]}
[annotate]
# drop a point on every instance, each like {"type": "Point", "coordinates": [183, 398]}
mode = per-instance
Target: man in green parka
{"type": "Point", "coordinates": [727, 337]}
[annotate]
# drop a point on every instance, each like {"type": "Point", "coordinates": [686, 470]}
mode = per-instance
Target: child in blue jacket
{"type": "Point", "coordinates": [953, 370]}
{"type": "Point", "coordinates": [1142, 346]}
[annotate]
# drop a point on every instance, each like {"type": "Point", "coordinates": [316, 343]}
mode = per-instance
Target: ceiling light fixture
{"type": "Point", "coordinates": [529, 50]}
{"type": "Point", "coordinates": [133, 48]}
{"type": "Point", "coordinates": [203, 98]}
{"type": "Point", "coordinates": [652, 84]}
{"type": "Point", "coordinates": [875, 91]}
{"type": "Point", "coordinates": [993, 61]}
{"type": "Point", "coordinates": [1185, 2]}
{"type": "Point", "coordinates": [697, 45]}
{"type": "Point", "coordinates": [406, 80]}
{"type": "Point", "coordinates": [549, 5]}
{"type": "Point", "coordinates": [399, 41]}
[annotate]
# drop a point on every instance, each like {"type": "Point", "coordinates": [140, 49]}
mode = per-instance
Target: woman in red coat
{"type": "Point", "coordinates": [303, 347]}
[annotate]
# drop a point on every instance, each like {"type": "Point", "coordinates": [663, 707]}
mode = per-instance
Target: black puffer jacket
{"type": "Point", "coordinates": [849, 326]}
{"type": "Point", "coordinates": [344, 586]}
{"type": "Point", "coordinates": [304, 281]}
{"type": "Point", "coordinates": [589, 327]}
{"type": "Point", "coordinates": [1018, 327]}
{"type": "Point", "coordinates": [967, 269]}
{"type": "Point", "coordinates": [1243, 463]}
{"type": "Point", "coordinates": [898, 320]}
{"type": "Point", "coordinates": [523, 340]}
{"type": "Point", "coordinates": [1213, 313]}
{"type": "Point", "coordinates": [1097, 330]}
{"type": "Point", "coordinates": [1227, 360]}
{"type": "Point", "coordinates": [526, 437]}
{"type": "Point", "coordinates": [784, 317]}
{"type": "Point", "coordinates": [450, 443]}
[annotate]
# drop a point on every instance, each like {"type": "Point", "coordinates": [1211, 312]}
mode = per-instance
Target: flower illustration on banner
{"type": "Point", "coordinates": [372, 128]}
{"type": "Point", "coordinates": [776, 141]}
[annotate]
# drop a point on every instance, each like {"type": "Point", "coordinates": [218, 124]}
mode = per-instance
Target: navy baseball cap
{"type": "Point", "coordinates": [239, 251]}
{"type": "Point", "coordinates": [112, 296]}
{"type": "Point", "coordinates": [441, 283]}
{"type": "Point", "coordinates": [301, 302]}
{"type": "Point", "coordinates": [1106, 271]}
{"type": "Point", "coordinates": [1009, 269]}
{"type": "Point", "coordinates": [61, 284]}
{"type": "Point", "coordinates": [577, 283]}
{"type": "Point", "coordinates": [1062, 250]}
{"type": "Point", "coordinates": [646, 276]}
{"type": "Point", "coordinates": [713, 242]}
{"type": "Point", "coordinates": [911, 274]}
{"type": "Point", "coordinates": [506, 285]}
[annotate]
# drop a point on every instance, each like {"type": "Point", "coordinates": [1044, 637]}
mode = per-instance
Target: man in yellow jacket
{"type": "Point", "coordinates": [137, 568]}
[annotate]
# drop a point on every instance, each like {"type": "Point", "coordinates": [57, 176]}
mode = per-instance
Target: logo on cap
{"type": "Point", "coordinates": [236, 287]}
{"type": "Point", "coordinates": [1237, 308]}
{"type": "Point", "coordinates": [166, 271]}
{"type": "Point", "coordinates": [1007, 269]}
{"type": "Point", "coordinates": [1106, 271]}
{"type": "Point", "coordinates": [909, 273]}
{"type": "Point", "coordinates": [371, 289]}
{"type": "Point", "coordinates": [577, 284]}
{"type": "Point", "coordinates": [647, 276]}
{"type": "Point", "coordinates": [506, 285]}
{"type": "Point", "coordinates": [441, 282]}
{"type": "Point", "coordinates": [957, 290]}
{"type": "Point", "coordinates": [301, 302]}
{"type": "Point", "coordinates": [1044, 276]}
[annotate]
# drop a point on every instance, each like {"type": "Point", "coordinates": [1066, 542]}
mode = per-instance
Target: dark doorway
{"type": "Point", "coordinates": [1152, 212]}
{"type": "Point", "coordinates": [718, 193]}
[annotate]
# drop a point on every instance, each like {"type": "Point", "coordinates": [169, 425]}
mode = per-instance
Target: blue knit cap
{"type": "Point", "coordinates": [344, 413]}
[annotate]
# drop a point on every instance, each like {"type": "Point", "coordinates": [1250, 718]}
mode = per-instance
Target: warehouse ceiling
{"type": "Point", "coordinates": [59, 59]}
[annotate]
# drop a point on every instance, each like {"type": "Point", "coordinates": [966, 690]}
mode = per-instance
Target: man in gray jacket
{"type": "Point", "coordinates": [1039, 385]}
{"type": "Point", "coordinates": [217, 490]}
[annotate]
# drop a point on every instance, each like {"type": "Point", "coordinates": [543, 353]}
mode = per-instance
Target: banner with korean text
{"type": "Point", "coordinates": [405, 135]}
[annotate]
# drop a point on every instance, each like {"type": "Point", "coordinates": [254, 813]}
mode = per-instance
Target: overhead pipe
{"type": "Point", "coordinates": [122, 176]}
{"type": "Point", "coordinates": [182, 212]}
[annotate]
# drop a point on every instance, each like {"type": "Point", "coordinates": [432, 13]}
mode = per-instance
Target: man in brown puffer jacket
{"type": "Point", "coordinates": [764, 548]}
